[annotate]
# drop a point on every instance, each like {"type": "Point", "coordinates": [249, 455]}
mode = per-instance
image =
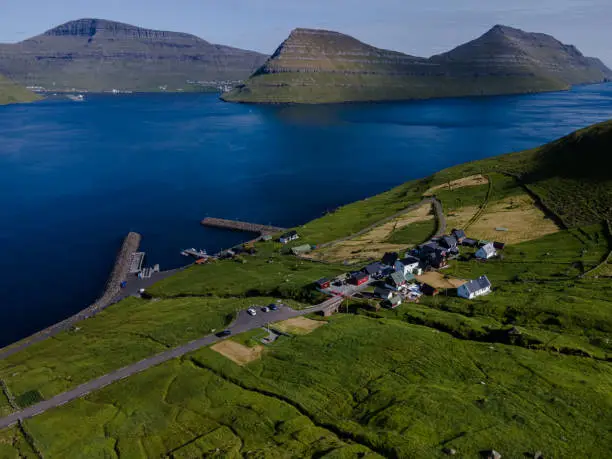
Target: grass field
{"type": "Point", "coordinates": [122, 334]}
{"type": "Point", "coordinates": [238, 353]}
{"type": "Point", "coordinates": [298, 325]}
{"type": "Point", "coordinates": [396, 235]}
{"type": "Point", "coordinates": [261, 275]}
{"type": "Point", "coordinates": [383, 385]}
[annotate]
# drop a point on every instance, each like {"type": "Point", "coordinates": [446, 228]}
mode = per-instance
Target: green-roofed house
{"type": "Point", "coordinates": [301, 249]}
{"type": "Point", "coordinates": [395, 281]}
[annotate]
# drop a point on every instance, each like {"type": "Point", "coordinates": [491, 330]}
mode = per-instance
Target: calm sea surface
{"type": "Point", "coordinates": [76, 177]}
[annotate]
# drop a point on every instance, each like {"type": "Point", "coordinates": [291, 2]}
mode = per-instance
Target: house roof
{"type": "Point", "coordinates": [289, 234]}
{"type": "Point", "coordinates": [449, 241]}
{"type": "Point", "coordinates": [398, 278]}
{"type": "Point", "coordinates": [382, 291]}
{"type": "Point", "coordinates": [409, 261]}
{"type": "Point", "coordinates": [302, 248]}
{"type": "Point", "coordinates": [322, 281]}
{"type": "Point", "coordinates": [458, 233]}
{"type": "Point", "coordinates": [489, 249]}
{"type": "Point", "coordinates": [373, 268]}
{"type": "Point", "coordinates": [468, 241]}
{"type": "Point", "coordinates": [395, 299]}
{"type": "Point", "coordinates": [359, 275]}
{"type": "Point", "coordinates": [409, 277]}
{"type": "Point", "coordinates": [476, 285]}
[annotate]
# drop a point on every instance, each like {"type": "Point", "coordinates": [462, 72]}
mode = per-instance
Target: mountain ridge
{"type": "Point", "coordinates": [504, 60]}
{"type": "Point", "coordinates": [98, 54]}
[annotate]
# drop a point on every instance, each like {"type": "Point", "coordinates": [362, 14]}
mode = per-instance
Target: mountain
{"type": "Point", "coordinates": [13, 93]}
{"type": "Point", "coordinates": [96, 55]}
{"type": "Point", "coordinates": [318, 66]}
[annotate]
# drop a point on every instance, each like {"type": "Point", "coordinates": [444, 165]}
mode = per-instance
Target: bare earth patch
{"type": "Point", "coordinates": [519, 214]}
{"type": "Point", "coordinates": [472, 180]}
{"type": "Point", "coordinates": [371, 244]}
{"type": "Point", "coordinates": [437, 280]}
{"type": "Point", "coordinates": [238, 353]}
{"type": "Point", "coordinates": [298, 325]}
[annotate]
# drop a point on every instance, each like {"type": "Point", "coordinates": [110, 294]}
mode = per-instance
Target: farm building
{"type": "Point", "coordinates": [474, 288]}
{"type": "Point", "coordinates": [383, 293]}
{"type": "Point", "coordinates": [486, 251]}
{"type": "Point", "coordinates": [407, 265]}
{"type": "Point", "coordinates": [359, 278]}
{"type": "Point", "coordinates": [266, 237]}
{"type": "Point", "coordinates": [323, 283]}
{"type": "Point", "coordinates": [288, 237]}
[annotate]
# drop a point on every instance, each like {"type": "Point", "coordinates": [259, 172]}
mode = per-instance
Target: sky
{"type": "Point", "coordinates": [423, 27]}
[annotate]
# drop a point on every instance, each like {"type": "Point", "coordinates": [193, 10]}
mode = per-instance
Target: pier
{"type": "Point", "coordinates": [136, 259]}
{"type": "Point", "coordinates": [195, 253]}
{"type": "Point", "coordinates": [241, 226]}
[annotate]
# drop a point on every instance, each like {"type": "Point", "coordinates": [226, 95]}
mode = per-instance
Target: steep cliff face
{"type": "Point", "coordinates": [96, 54]}
{"type": "Point", "coordinates": [11, 93]}
{"type": "Point", "coordinates": [316, 66]}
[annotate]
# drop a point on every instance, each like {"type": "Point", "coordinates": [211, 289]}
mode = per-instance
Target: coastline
{"type": "Point", "coordinates": [109, 296]}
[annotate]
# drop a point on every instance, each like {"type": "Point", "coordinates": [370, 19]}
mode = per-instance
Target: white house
{"type": "Point", "coordinates": [486, 251]}
{"type": "Point", "coordinates": [474, 288]}
{"type": "Point", "coordinates": [288, 237]}
{"type": "Point", "coordinates": [408, 265]}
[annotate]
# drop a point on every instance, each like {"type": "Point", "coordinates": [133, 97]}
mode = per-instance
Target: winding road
{"type": "Point", "coordinates": [244, 322]}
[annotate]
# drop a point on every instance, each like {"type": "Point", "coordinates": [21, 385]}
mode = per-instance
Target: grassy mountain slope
{"type": "Point", "coordinates": [12, 93]}
{"type": "Point", "coordinates": [96, 54]}
{"type": "Point", "coordinates": [318, 66]}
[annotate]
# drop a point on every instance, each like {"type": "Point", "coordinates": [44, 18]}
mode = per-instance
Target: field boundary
{"type": "Point", "coordinates": [483, 206]}
{"type": "Point", "coordinates": [607, 259]}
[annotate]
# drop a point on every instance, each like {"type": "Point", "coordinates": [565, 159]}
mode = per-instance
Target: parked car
{"type": "Point", "coordinates": [252, 311]}
{"type": "Point", "coordinates": [273, 307]}
{"type": "Point", "coordinates": [265, 309]}
{"type": "Point", "coordinates": [224, 333]}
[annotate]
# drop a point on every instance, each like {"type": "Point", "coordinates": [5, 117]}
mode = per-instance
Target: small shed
{"type": "Point", "coordinates": [359, 278]}
{"type": "Point", "coordinates": [486, 251]}
{"type": "Point", "coordinates": [301, 249]}
{"type": "Point", "coordinates": [395, 301]}
{"type": "Point", "coordinates": [266, 237]}
{"type": "Point", "coordinates": [323, 283]}
{"type": "Point", "coordinates": [499, 245]}
{"type": "Point", "coordinates": [429, 290]}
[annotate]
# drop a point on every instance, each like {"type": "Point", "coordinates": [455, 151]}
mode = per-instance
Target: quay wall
{"type": "Point", "coordinates": [240, 226]}
{"type": "Point", "coordinates": [131, 243]}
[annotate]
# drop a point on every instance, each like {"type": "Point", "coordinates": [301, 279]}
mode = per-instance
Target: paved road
{"type": "Point", "coordinates": [244, 322]}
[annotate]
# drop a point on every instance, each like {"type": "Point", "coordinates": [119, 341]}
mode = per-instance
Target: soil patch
{"type": "Point", "coordinates": [472, 180]}
{"type": "Point", "coordinates": [237, 352]}
{"type": "Point", "coordinates": [298, 325]}
{"type": "Point", "coordinates": [437, 280]}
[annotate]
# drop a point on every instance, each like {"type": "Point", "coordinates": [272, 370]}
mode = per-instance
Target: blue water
{"type": "Point", "coordinates": [76, 177]}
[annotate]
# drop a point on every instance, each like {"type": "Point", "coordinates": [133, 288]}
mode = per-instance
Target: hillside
{"type": "Point", "coordinates": [12, 93]}
{"type": "Point", "coordinates": [525, 370]}
{"type": "Point", "coordinates": [319, 66]}
{"type": "Point", "coordinates": [96, 55]}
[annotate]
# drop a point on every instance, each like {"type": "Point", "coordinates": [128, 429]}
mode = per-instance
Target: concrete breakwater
{"type": "Point", "coordinates": [240, 226]}
{"type": "Point", "coordinates": [111, 290]}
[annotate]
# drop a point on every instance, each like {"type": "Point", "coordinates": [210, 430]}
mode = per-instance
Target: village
{"type": "Point", "coordinates": [400, 278]}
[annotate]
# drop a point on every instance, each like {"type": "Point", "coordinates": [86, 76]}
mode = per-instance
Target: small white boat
{"type": "Point", "coordinates": [76, 98]}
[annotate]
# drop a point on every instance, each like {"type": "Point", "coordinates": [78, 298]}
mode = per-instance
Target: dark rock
{"type": "Point", "coordinates": [449, 451]}
{"type": "Point", "coordinates": [490, 454]}
{"type": "Point", "coordinates": [538, 455]}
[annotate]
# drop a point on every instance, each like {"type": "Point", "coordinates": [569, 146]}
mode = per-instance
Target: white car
{"type": "Point", "coordinates": [252, 311]}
